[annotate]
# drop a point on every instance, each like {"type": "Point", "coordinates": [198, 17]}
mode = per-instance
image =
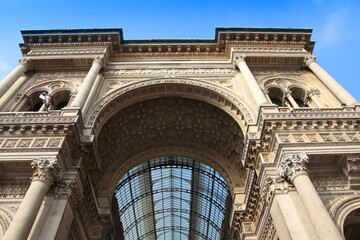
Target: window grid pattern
{"type": "Point", "coordinates": [172, 198]}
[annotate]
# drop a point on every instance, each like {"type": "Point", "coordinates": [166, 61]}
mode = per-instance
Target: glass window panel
{"type": "Point", "coordinates": [182, 196]}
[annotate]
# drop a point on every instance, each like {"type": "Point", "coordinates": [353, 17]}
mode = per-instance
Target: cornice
{"type": "Point", "coordinates": [302, 127]}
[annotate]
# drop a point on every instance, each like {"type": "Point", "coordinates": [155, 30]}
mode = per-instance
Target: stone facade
{"type": "Point", "coordinates": [85, 106]}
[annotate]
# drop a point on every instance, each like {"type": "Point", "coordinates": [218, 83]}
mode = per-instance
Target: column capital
{"type": "Point", "coordinates": [99, 60]}
{"type": "Point", "coordinates": [239, 58]}
{"type": "Point", "coordinates": [26, 62]}
{"type": "Point", "coordinates": [273, 185]}
{"type": "Point", "coordinates": [293, 165]}
{"type": "Point", "coordinates": [46, 170]}
{"type": "Point", "coordinates": [309, 60]}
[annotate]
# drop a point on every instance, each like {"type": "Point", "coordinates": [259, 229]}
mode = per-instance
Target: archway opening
{"type": "Point", "coordinates": [352, 225]}
{"type": "Point", "coordinates": [173, 198]}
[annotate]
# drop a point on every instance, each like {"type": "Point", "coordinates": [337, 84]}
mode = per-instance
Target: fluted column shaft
{"type": "Point", "coordinates": [46, 171]}
{"type": "Point", "coordinates": [14, 75]}
{"type": "Point", "coordinates": [86, 86]}
{"type": "Point", "coordinates": [293, 167]}
{"type": "Point", "coordinates": [251, 81]}
{"type": "Point", "coordinates": [340, 92]}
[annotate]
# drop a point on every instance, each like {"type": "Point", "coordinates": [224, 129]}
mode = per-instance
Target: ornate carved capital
{"type": "Point", "coordinates": [99, 60]}
{"type": "Point", "coordinates": [292, 165]}
{"type": "Point", "coordinates": [46, 170]}
{"type": "Point", "coordinates": [309, 60]}
{"type": "Point", "coordinates": [239, 58]}
{"type": "Point", "coordinates": [26, 62]}
{"type": "Point", "coordinates": [273, 185]}
{"type": "Point", "coordinates": [67, 189]}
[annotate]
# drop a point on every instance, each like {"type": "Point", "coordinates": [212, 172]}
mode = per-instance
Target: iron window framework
{"type": "Point", "coordinates": [172, 198]}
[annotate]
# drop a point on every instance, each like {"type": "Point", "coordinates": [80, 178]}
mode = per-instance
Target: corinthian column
{"type": "Point", "coordinates": [293, 168]}
{"type": "Point", "coordinates": [45, 173]}
{"type": "Point", "coordinates": [10, 79]}
{"type": "Point", "coordinates": [251, 81]}
{"type": "Point", "coordinates": [89, 80]}
{"type": "Point", "coordinates": [343, 95]}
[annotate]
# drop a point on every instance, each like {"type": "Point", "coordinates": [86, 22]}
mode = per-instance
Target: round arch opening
{"type": "Point", "coordinates": [173, 198]}
{"type": "Point", "coordinates": [352, 225]}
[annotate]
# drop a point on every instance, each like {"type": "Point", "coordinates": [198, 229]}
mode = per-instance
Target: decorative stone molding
{"type": "Point", "coordinates": [46, 170]}
{"type": "Point", "coordinates": [42, 52]}
{"type": "Point", "coordinates": [353, 168]}
{"type": "Point", "coordinates": [342, 206]}
{"type": "Point", "coordinates": [269, 230]}
{"type": "Point", "coordinates": [171, 72]}
{"type": "Point", "coordinates": [13, 190]}
{"type": "Point", "coordinates": [293, 165]}
{"type": "Point", "coordinates": [197, 89]}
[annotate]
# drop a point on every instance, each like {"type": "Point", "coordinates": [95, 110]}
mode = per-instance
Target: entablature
{"type": "Point", "coordinates": [263, 46]}
{"type": "Point", "coordinates": [301, 127]}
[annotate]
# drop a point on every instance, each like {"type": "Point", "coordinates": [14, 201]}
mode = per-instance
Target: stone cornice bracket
{"type": "Point", "coordinates": [26, 62]}
{"type": "Point", "coordinates": [46, 170]}
{"type": "Point", "coordinates": [293, 165]}
{"type": "Point", "coordinates": [308, 60]}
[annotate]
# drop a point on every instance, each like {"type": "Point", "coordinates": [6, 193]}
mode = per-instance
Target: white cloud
{"type": "Point", "coordinates": [4, 67]}
{"type": "Point", "coordinates": [337, 25]}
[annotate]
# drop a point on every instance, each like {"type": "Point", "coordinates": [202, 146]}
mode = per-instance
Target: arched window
{"type": "Point", "coordinates": [276, 96]}
{"type": "Point", "coordinates": [60, 99]}
{"type": "Point", "coordinates": [299, 96]}
{"type": "Point", "coordinates": [33, 102]}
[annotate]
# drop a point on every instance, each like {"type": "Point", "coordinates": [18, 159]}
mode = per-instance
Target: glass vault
{"type": "Point", "coordinates": [172, 198]}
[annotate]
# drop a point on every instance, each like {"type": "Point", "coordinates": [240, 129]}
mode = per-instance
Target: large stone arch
{"type": "Point", "coordinates": [208, 95]}
{"type": "Point", "coordinates": [169, 126]}
{"type": "Point", "coordinates": [342, 207]}
{"type": "Point", "coordinates": [206, 91]}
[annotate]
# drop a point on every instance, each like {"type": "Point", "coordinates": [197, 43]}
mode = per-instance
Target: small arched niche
{"type": "Point", "coordinates": [32, 103]}
{"type": "Point", "coordinates": [299, 95]}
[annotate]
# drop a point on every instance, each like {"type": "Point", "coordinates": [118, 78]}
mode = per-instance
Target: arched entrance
{"type": "Point", "coordinates": [169, 126]}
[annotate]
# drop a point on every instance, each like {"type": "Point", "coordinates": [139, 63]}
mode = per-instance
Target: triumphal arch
{"type": "Point", "coordinates": [244, 136]}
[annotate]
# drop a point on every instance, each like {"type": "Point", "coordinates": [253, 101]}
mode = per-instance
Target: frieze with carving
{"type": "Point", "coordinates": [171, 72]}
{"type": "Point", "coordinates": [31, 143]}
{"type": "Point", "coordinates": [16, 190]}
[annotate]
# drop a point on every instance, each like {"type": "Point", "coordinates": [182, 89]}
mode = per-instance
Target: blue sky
{"type": "Point", "coordinates": [336, 24]}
